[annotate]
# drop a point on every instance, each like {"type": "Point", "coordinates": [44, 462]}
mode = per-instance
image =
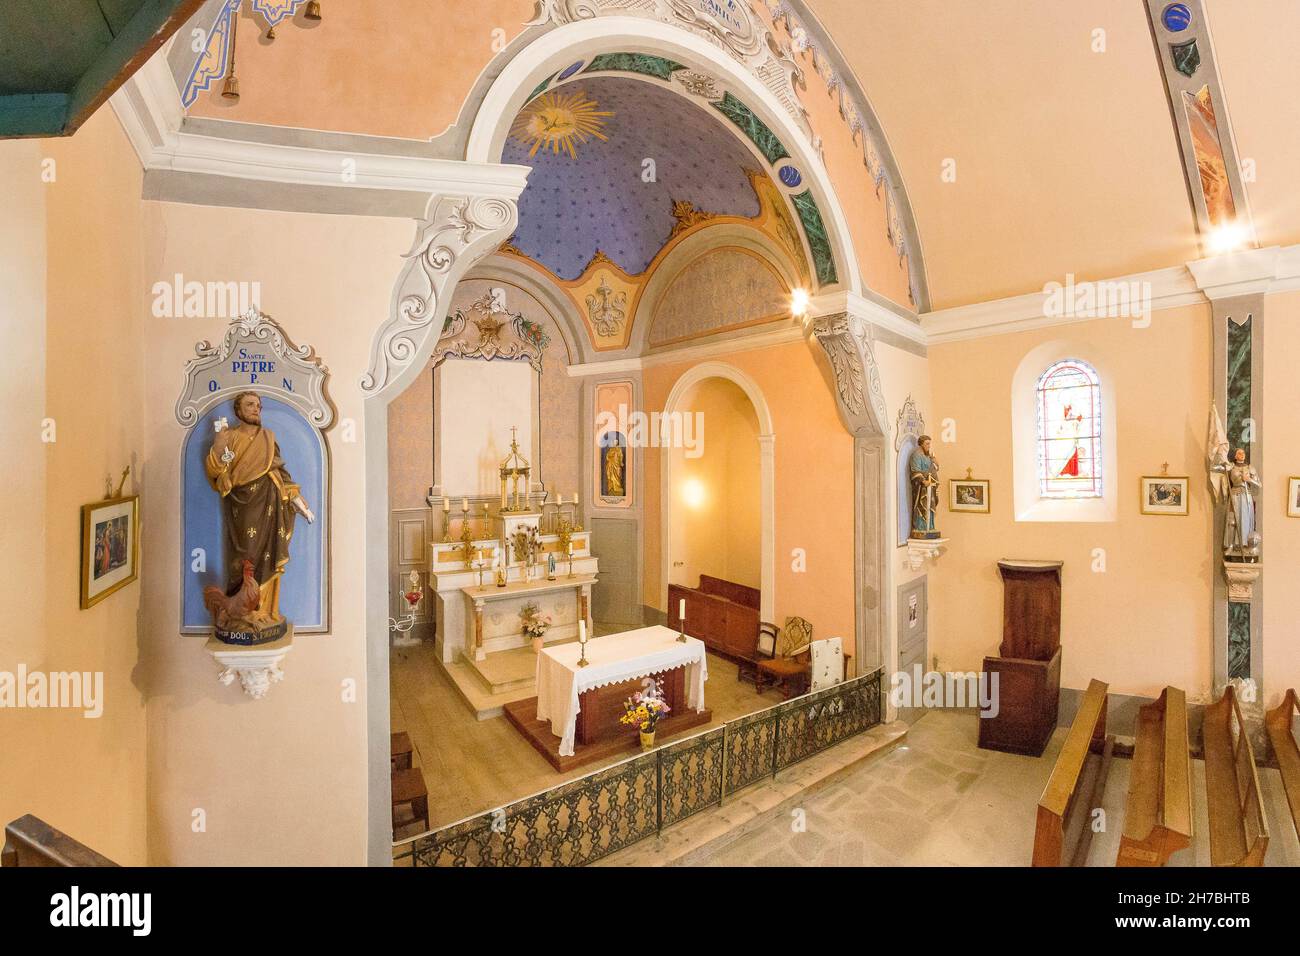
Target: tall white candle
{"type": "Point", "coordinates": [582, 632]}
{"type": "Point", "coordinates": [561, 501]}
{"type": "Point", "coordinates": [446, 504]}
{"type": "Point", "coordinates": [575, 499]}
{"type": "Point", "coordinates": [681, 609]}
{"type": "Point", "coordinates": [464, 504]}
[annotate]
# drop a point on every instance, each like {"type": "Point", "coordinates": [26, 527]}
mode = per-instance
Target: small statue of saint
{"type": "Point", "coordinates": [924, 470]}
{"type": "Point", "coordinates": [1240, 539]}
{"type": "Point", "coordinates": [259, 502]}
{"type": "Point", "coordinates": [614, 458]}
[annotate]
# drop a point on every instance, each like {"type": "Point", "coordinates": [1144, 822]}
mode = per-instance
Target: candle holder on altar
{"type": "Point", "coordinates": [582, 642]}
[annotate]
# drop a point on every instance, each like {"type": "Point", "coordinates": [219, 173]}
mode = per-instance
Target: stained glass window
{"type": "Point", "coordinates": [1069, 431]}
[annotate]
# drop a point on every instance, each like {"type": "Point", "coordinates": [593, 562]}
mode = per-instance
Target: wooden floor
{"type": "Point", "coordinates": [473, 766]}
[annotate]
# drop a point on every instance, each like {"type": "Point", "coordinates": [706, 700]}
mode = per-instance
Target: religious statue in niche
{"type": "Point", "coordinates": [259, 504]}
{"type": "Point", "coordinates": [1241, 542]}
{"type": "Point", "coordinates": [924, 470]}
{"type": "Point", "coordinates": [613, 466]}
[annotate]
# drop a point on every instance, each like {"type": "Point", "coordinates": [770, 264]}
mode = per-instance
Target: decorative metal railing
{"type": "Point", "coordinates": [586, 819]}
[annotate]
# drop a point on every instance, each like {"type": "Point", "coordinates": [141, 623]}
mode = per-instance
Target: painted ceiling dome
{"type": "Point", "coordinates": [610, 155]}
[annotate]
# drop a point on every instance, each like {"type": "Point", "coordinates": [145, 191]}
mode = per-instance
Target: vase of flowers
{"type": "Point", "coordinates": [644, 709]}
{"type": "Point", "coordinates": [534, 624]}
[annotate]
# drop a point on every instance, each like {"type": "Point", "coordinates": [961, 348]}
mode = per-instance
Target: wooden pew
{"type": "Point", "coordinates": [1238, 826]}
{"type": "Point", "coordinates": [1278, 724]}
{"type": "Point", "coordinates": [30, 841]}
{"type": "Point", "coordinates": [1076, 785]}
{"type": "Point", "coordinates": [1158, 817]}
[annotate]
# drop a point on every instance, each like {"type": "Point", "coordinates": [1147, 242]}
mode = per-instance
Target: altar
{"type": "Point", "coordinates": [575, 717]}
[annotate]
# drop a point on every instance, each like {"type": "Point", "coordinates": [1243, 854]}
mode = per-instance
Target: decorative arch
{"type": "Point", "coordinates": [557, 50]}
{"type": "Point", "coordinates": [767, 474]}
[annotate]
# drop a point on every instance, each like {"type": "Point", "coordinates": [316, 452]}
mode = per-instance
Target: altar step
{"type": "Point", "coordinates": [479, 698]}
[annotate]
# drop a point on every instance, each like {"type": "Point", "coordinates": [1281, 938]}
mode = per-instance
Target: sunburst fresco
{"type": "Point", "coordinates": [560, 121]}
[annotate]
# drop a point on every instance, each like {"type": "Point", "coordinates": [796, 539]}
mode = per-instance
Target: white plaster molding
{"type": "Point", "coordinates": [256, 667]}
{"type": "Point", "coordinates": [712, 348]}
{"type": "Point", "coordinates": [897, 320]}
{"type": "Point", "coordinates": [1246, 272]}
{"type": "Point", "coordinates": [1241, 577]}
{"type": "Point", "coordinates": [148, 108]}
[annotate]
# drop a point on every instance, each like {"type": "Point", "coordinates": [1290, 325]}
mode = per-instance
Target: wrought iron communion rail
{"type": "Point", "coordinates": [581, 821]}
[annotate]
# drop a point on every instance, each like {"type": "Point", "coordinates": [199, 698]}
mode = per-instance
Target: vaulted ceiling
{"type": "Point", "coordinates": [1066, 158]}
{"type": "Point", "coordinates": [650, 147]}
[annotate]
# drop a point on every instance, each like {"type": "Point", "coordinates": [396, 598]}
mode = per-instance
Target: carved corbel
{"type": "Point", "coordinates": [459, 231]}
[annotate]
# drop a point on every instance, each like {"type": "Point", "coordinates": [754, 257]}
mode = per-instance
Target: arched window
{"type": "Point", "coordinates": [1069, 431]}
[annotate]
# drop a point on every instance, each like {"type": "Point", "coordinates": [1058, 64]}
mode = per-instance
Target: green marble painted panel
{"type": "Point", "coordinates": [1238, 640]}
{"type": "Point", "coordinates": [643, 63]}
{"type": "Point", "coordinates": [753, 127]}
{"type": "Point", "coordinates": [819, 242]}
{"type": "Point", "coordinates": [1239, 384]}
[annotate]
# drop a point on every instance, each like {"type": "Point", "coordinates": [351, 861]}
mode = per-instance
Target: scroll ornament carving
{"type": "Point", "coordinates": [255, 329]}
{"type": "Point", "coordinates": [857, 376]}
{"type": "Point", "coordinates": [460, 229]}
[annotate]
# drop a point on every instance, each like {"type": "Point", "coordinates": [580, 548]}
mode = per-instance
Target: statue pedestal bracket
{"type": "Point", "coordinates": [1241, 577]}
{"type": "Point", "coordinates": [920, 550]}
{"type": "Point", "coordinates": [256, 666]}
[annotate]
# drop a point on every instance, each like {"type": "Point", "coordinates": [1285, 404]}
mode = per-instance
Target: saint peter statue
{"type": "Point", "coordinates": [259, 502]}
{"type": "Point", "coordinates": [924, 470]}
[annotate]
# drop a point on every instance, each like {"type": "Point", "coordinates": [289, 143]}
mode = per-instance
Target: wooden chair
{"type": "Point", "coordinates": [409, 791]}
{"type": "Point", "coordinates": [1158, 816]}
{"type": "Point", "coordinates": [764, 650]}
{"type": "Point", "coordinates": [1074, 790]}
{"type": "Point", "coordinates": [1280, 734]}
{"type": "Point", "coordinates": [30, 841]}
{"type": "Point", "coordinates": [400, 751]}
{"type": "Point", "coordinates": [1238, 826]}
{"type": "Point", "coordinates": [791, 668]}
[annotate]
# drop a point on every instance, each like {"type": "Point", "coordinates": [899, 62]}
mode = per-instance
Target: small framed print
{"type": "Point", "coordinates": [968, 494]}
{"type": "Point", "coordinates": [1293, 497]}
{"type": "Point", "coordinates": [1164, 495]}
{"type": "Point", "coordinates": [110, 547]}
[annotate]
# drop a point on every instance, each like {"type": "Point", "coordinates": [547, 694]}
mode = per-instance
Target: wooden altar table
{"type": "Point", "coordinates": [575, 717]}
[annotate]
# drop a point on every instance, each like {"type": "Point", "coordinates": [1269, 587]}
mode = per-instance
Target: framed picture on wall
{"type": "Point", "coordinates": [1164, 495]}
{"type": "Point", "coordinates": [968, 494]}
{"type": "Point", "coordinates": [110, 547]}
{"type": "Point", "coordinates": [1293, 497]}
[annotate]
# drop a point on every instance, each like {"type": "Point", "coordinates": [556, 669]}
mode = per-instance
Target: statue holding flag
{"type": "Point", "coordinates": [1237, 481]}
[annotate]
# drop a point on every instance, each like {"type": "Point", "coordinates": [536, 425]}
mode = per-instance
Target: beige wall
{"type": "Point", "coordinates": [814, 505]}
{"type": "Point", "coordinates": [718, 532]}
{"type": "Point", "coordinates": [1280, 432]}
{"type": "Point", "coordinates": [1145, 621]}
{"type": "Point", "coordinates": [281, 780]}
{"type": "Point", "coordinates": [80, 362]}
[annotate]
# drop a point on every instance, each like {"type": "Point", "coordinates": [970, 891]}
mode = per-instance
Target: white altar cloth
{"type": "Point", "coordinates": [613, 658]}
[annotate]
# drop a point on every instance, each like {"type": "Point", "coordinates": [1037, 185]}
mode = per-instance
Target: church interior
{"type": "Point", "coordinates": [594, 432]}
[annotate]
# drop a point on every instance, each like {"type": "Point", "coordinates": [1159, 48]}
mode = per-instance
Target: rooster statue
{"type": "Point", "coordinates": [229, 609]}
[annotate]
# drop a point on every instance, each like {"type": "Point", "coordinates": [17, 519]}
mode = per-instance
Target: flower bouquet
{"type": "Point", "coordinates": [535, 624]}
{"type": "Point", "coordinates": [643, 710]}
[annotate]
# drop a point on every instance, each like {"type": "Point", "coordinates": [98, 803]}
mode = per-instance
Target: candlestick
{"type": "Point", "coordinates": [582, 642]}
{"type": "Point", "coordinates": [464, 505]}
{"type": "Point", "coordinates": [681, 620]}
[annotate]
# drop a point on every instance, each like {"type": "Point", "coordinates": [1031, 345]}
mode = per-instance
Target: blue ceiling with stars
{"type": "Point", "coordinates": [599, 201]}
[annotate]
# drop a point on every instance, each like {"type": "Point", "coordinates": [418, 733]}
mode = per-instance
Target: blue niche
{"type": "Point", "coordinates": [303, 599]}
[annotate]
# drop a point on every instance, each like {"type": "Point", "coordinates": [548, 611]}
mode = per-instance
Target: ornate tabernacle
{"type": "Point", "coordinates": [514, 469]}
{"type": "Point", "coordinates": [1028, 665]}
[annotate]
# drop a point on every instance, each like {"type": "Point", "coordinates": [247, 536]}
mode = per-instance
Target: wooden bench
{"type": "Point", "coordinates": [1278, 724]}
{"type": "Point", "coordinates": [30, 841]}
{"type": "Point", "coordinates": [409, 791]}
{"type": "Point", "coordinates": [1238, 826]}
{"type": "Point", "coordinates": [1158, 814]}
{"type": "Point", "coordinates": [1063, 832]}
